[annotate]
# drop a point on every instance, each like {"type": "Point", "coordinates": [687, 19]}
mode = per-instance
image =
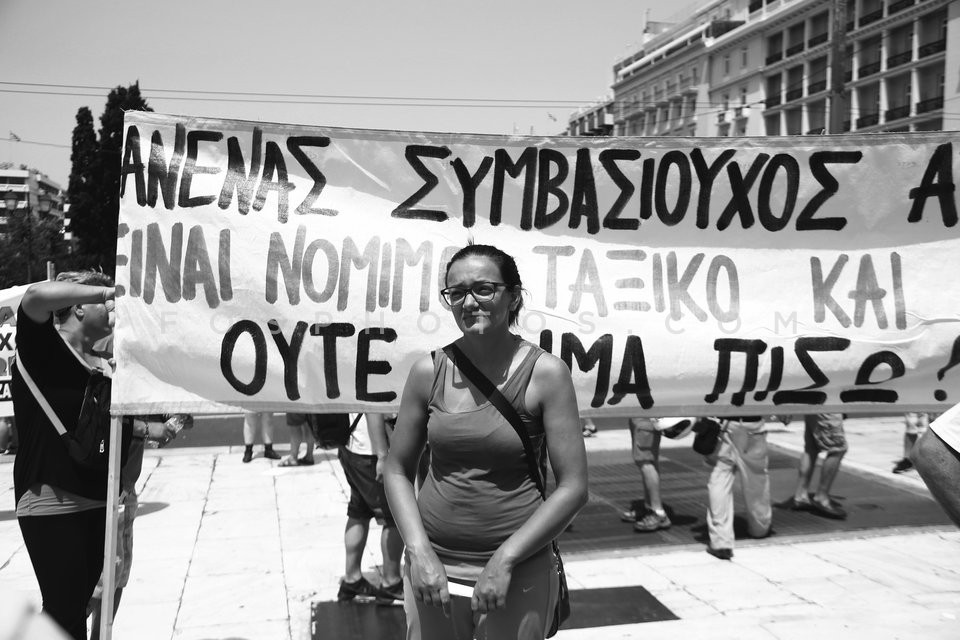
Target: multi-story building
{"type": "Point", "coordinates": [29, 190]}
{"type": "Point", "coordinates": [765, 67]}
{"type": "Point", "coordinates": [593, 120]}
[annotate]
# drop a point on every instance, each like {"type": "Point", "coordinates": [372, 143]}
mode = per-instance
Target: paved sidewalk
{"type": "Point", "coordinates": [231, 550]}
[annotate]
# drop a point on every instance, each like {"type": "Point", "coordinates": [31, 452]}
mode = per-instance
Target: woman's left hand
{"type": "Point", "coordinates": [490, 592]}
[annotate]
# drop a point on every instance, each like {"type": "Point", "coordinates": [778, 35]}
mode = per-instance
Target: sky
{"type": "Point", "coordinates": [497, 66]}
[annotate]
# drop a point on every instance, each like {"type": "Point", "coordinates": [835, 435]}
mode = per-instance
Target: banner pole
{"type": "Point", "coordinates": [110, 537]}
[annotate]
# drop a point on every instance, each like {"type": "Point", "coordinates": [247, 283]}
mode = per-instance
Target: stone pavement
{"type": "Point", "coordinates": [231, 550]}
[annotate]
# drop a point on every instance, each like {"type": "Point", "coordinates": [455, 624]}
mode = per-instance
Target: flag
{"type": "Point", "coordinates": [14, 137]}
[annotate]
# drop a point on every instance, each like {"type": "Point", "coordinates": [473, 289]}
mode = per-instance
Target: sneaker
{"type": "Point", "coordinates": [388, 594]}
{"type": "Point", "coordinates": [360, 588]}
{"type": "Point", "coordinates": [903, 466]}
{"type": "Point", "coordinates": [652, 521]}
{"type": "Point", "coordinates": [722, 554]}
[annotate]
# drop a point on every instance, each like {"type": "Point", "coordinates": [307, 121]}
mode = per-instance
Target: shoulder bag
{"type": "Point", "coordinates": [562, 610]}
{"type": "Point", "coordinates": [88, 444]}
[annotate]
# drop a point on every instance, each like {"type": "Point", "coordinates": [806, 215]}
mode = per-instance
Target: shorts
{"type": "Point", "coordinates": [646, 441]}
{"type": "Point", "coordinates": [367, 496]}
{"type": "Point", "coordinates": [296, 419]}
{"type": "Point", "coordinates": [916, 424]}
{"type": "Point", "coordinates": [824, 432]}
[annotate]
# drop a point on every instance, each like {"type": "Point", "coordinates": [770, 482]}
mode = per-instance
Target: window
{"type": "Point", "coordinates": [725, 102]}
{"type": "Point", "coordinates": [726, 64]}
{"type": "Point", "coordinates": [743, 96]}
{"type": "Point", "coordinates": [744, 57]}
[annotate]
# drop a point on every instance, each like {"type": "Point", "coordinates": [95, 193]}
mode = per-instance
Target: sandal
{"type": "Point", "coordinates": [288, 461]}
{"type": "Point", "coordinates": [305, 461]}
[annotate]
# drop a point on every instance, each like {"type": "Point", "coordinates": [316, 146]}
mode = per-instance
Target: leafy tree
{"type": "Point", "coordinates": [26, 245]}
{"type": "Point", "coordinates": [97, 178]}
{"type": "Point", "coordinates": [82, 190]}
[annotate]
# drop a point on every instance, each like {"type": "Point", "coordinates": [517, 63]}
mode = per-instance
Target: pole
{"type": "Point", "coordinates": [838, 45]}
{"type": "Point", "coordinates": [51, 270]}
{"type": "Point", "coordinates": [110, 537]}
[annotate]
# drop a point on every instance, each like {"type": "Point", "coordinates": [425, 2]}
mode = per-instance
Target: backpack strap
{"type": "Point", "coordinates": [41, 400]}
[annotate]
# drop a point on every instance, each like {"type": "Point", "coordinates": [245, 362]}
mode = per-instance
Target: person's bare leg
{"type": "Point", "coordinates": [651, 487]}
{"type": "Point", "coordinates": [805, 476]}
{"type": "Point", "coordinates": [828, 473]}
{"type": "Point", "coordinates": [939, 466]}
{"type": "Point", "coordinates": [391, 547]}
{"type": "Point", "coordinates": [354, 542]}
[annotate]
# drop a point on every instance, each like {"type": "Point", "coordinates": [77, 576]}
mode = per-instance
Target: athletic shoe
{"type": "Point", "coordinates": [652, 521]}
{"type": "Point", "coordinates": [903, 466]}
{"type": "Point", "coordinates": [388, 594]}
{"type": "Point", "coordinates": [360, 588]}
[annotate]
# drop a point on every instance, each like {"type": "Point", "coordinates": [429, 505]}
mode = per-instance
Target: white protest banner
{"type": "Point", "coordinates": [283, 267]}
{"type": "Point", "coordinates": [9, 301]}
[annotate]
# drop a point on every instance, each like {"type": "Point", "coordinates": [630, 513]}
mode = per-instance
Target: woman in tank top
{"type": "Point", "coordinates": [478, 525]}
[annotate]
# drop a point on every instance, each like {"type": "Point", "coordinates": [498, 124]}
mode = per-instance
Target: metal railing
{"type": "Point", "coordinates": [772, 101]}
{"type": "Point", "coordinates": [871, 17]}
{"type": "Point", "coordinates": [794, 49]}
{"type": "Point", "coordinates": [817, 86]}
{"type": "Point", "coordinates": [794, 94]}
{"type": "Point", "coordinates": [775, 57]}
{"type": "Point", "coordinates": [930, 104]}
{"type": "Point", "coordinates": [932, 47]}
{"type": "Point", "coordinates": [896, 113]}
{"type": "Point", "coordinates": [868, 120]}
{"type": "Point", "coordinates": [899, 5]}
{"type": "Point", "coordinates": [898, 59]}
{"type": "Point", "coordinates": [818, 39]}
{"type": "Point", "coordinates": [868, 69]}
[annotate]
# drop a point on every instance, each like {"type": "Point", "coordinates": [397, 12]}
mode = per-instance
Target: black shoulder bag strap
{"type": "Point", "coordinates": [504, 406]}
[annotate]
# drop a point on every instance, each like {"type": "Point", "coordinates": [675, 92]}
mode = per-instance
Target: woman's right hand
{"type": "Point", "coordinates": [428, 579]}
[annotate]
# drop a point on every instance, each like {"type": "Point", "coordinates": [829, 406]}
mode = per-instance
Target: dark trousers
{"type": "Point", "coordinates": [67, 556]}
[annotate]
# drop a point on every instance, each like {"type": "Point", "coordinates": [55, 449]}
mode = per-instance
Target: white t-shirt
{"type": "Point", "coordinates": [360, 438]}
{"type": "Point", "coordinates": [947, 427]}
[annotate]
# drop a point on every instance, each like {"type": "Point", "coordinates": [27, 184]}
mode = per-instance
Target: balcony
{"type": "Point", "coordinates": [815, 87]}
{"type": "Point", "coordinates": [871, 17]}
{"type": "Point", "coordinates": [722, 117]}
{"type": "Point", "coordinates": [899, 5]}
{"type": "Point", "coordinates": [897, 112]}
{"type": "Point", "coordinates": [772, 101]}
{"type": "Point", "coordinates": [932, 47]}
{"type": "Point", "coordinates": [930, 104]}
{"type": "Point", "coordinates": [756, 5]}
{"type": "Point", "coordinates": [793, 50]}
{"type": "Point", "coordinates": [868, 120]}
{"type": "Point", "coordinates": [741, 112]}
{"type": "Point", "coordinates": [820, 38]}
{"type": "Point", "coordinates": [816, 131]}
{"type": "Point", "coordinates": [898, 59]}
{"type": "Point", "coordinates": [869, 69]}
{"type": "Point", "coordinates": [775, 57]}
{"type": "Point", "coordinates": [794, 94]}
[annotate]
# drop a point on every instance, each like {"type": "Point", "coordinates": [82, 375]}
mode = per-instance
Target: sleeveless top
{"type": "Point", "coordinates": [478, 491]}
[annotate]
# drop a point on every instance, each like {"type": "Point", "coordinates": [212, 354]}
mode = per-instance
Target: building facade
{"type": "Point", "coordinates": [765, 67]}
{"type": "Point", "coordinates": [33, 192]}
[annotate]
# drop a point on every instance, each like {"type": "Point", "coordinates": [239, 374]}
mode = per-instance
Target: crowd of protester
{"type": "Point", "coordinates": [456, 479]}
